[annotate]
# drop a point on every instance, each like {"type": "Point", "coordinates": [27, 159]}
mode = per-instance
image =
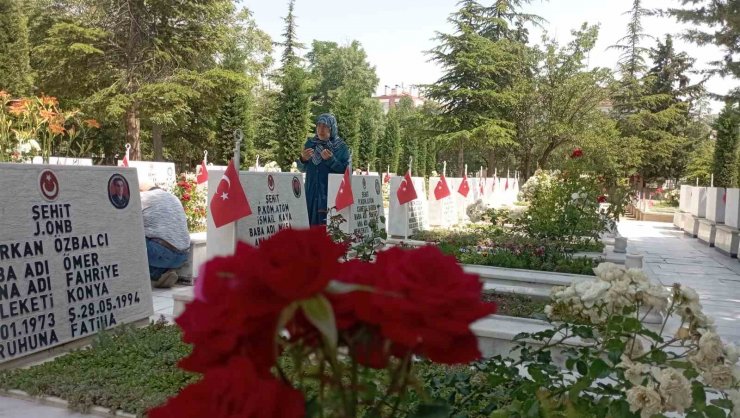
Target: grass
{"type": "Point", "coordinates": [514, 305]}
{"type": "Point", "coordinates": [128, 369]}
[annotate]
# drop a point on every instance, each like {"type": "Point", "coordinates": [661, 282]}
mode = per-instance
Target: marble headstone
{"type": "Point", "coordinates": [410, 217]}
{"type": "Point", "coordinates": [64, 161]}
{"type": "Point", "coordinates": [162, 174]}
{"type": "Point", "coordinates": [277, 201]}
{"type": "Point", "coordinates": [698, 204]}
{"type": "Point", "coordinates": [72, 255]}
{"type": "Point", "coordinates": [716, 204]}
{"type": "Point", "coordinates": [441, 212]}
{"type": "Point", "coordinates": [732, 208]}
{"type": "Point", "coordinates": [368, 196]}
{"type": "Point", "coordinates": [684, 200]}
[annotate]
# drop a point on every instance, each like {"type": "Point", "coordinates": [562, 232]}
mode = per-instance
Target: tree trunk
{"type": "Point", "coordinates": [461, 159]}
{"type": "Point", "coordinates": [133, 131]}
{"type": "Point", "coordinates": [491, 162]}
{"type": "Point", "coordinates": [546, 155]}
{"type": "Point", "coordinates": [157, 143]}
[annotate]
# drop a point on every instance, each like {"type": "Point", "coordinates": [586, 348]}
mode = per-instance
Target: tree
{"type": "Point", "coordinates": [407, 120]}
{"type": "Point", "coordinates": [717, 24]}
{"type": "Point", "coordinates": [724, 165]}
{"type": "Point", "coordinates": [127, 58]}
{"type": "Point", "coordinates": [372, 127]}
{"type": "Point", "coordinates": [389, 148]}
{"type": "Point", "coordinates": [15, 67]}
{"type": "Point", "coordinates": [293, 102]}
{"type": "Point", "coordinates": [481, 61]}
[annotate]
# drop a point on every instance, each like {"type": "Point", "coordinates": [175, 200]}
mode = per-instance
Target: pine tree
{"type": "Point", "coordinates": [294, 101]}
{"type": "Point", "coordinates": [726, 148]}
{"type": "Point", "coordinates": [15, 67]}
{"type": "Point", "coordinates": [389, 147]}
{"type": "Point", "coordinates": [409, 142]}
{"type": "Point", "coordinates": [372, 128]}
{"type": "Point", "coordinates": [235, 113]}
{"type": "Point", "coordinates": [718, 24]}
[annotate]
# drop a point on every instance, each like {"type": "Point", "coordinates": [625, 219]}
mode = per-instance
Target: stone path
{"type": "Point", "coordinates": [671, 257]}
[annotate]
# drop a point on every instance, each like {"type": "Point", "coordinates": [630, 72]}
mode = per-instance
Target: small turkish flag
{"type": "Point", "coordinates": [387, 178]}
{"type": "Point", "coordinates": [125, 160]}
{"type": "Point", "coordinates": [506, 185]}
{"type": "Point", "coordinates": [229, 203]}
{"type": "Point", "coordinates": [406, 191]}
{"type": "Point", "coordinates": [203, 175]}
{"type": "Point", "coordinates": [464, 188]}
{"type": "Point", "coordinates": [344, 195]}
{"type": "Point", "coordinates": [442, 190]}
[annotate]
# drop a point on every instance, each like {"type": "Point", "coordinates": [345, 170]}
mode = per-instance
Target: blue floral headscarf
{"type": "Point", "coordinates": [318, 145]}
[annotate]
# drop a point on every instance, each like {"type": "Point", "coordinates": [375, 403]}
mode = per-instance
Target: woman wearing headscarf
{"type": "Point", "coordinates": [323, 154]}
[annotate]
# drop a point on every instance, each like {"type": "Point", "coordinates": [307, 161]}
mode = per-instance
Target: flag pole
{"type": "Point", "coordinates": [406, 233]}
{"type": "Point", "coordinates": [444, 169]}
{"type": "Point", "coordinates": [238, 137]}
{"type": "Point", "coordinates": [205, 157]}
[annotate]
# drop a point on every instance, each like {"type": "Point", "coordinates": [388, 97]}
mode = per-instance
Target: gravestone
{"type": "Point", "coordinates": [441, 212]}
{"type": "Point", "coordinates": [461, 202]}
{"type": "Point", "coordinates": [684, 200]}
{"type": "Point", "coordinates": [64, 161]}
{"type": "Point", "coordinates": [411, 217]}
{"type": "Point", "coordinates": [368, 196]}
{"type": "Point", "coordinates": [727, 238]}
{"type": "Point", "coordinates": [160, 173]}
{"type": "Point", "coordinates": [277, 201]}
{"type": "Point", "coordinates": [697, 210]}
{"type": "Point", "coordinates": [715, 214]}
{"type": "Point", "coordinates": [72, 256]}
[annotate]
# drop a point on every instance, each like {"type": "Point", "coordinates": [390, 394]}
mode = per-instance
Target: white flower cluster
{"type": "Point", "coordinates": [690, 310]}
{"type": "Point", "coordinates": [655, 390]}
{"type": "Point", "coordinates": [613, 289]}
{"type": "Point", "coordinates": [578, 196]}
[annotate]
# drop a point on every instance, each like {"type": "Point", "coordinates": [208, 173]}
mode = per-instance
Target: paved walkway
{"type": "Point", "coordinates": [671, 257]}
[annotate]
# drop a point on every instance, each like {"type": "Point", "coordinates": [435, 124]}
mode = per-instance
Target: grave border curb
{"type": "Point", "coordinates": [53, 401]}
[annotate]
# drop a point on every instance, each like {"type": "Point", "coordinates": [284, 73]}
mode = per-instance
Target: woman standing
{"type": "Point", "coordinates": [323, 154]}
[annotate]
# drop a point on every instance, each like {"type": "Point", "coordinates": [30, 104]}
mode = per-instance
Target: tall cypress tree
{"type": "Point", "coordinates": [726, 147]}
{"type": "Point", "coordinates": [389, 147]}
{"type": "Point", "coordinates": [15, 67]}
{"type": "Point", "coordinates": [293, 103]}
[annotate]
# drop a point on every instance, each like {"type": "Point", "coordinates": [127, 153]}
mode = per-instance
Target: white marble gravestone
{"type": "Point", "coordinates": [684, 201]}
{"type": "Point", "coordinates": [727, 238]}
{"type": "Point", "coordinates": [411, 217]}
{"type": "Point", "coordinates": [715, 210]}
{"type": "Point", "coordinates": [462, 202]}
{"type": "Point", "coordinates": [441, 212]}
{"type": "Point", "coordinates": [72, 256]}
{"type": "Point", "coordinates": [64, 161]}
{"type": "Point", "coordinates": [368, 197]}
{"type": "Point", "coordinates": [277, 201]}
{"type": "Point", "coordinates": [698, 203]}
{"type": "Point", "coordinates": [160, 173]}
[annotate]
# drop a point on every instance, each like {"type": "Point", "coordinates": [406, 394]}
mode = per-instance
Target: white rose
{"type": "Point", "coordinates": [674, 388]}
{"type": "Point", "coordinates": [636, 373]}
{"type": "Point", "coordinates": [645, 400]}
{"type": "Point", "coordinates": [593, 293]}
{"type": "Point", "coordinates": [734, 396]}
{"type": "Point", "coordinates": [584, 195]}
{"type": "Point", "coordinates": [710, 345]}
{"type": "Point", "coordinates": [574, 197]}
{"type": "Point", "coordinates": [548, 310]}
{"type": "Point", "coordinates": [634, 348]}
{"type": "Point", "coordinates": [731, 353]}
{"type": "Point", "coordinates": [689, 295]}
{"type": "Point", "coordinates": [637, 275]}
{"type": "Point", "coordinates": [718, 377]}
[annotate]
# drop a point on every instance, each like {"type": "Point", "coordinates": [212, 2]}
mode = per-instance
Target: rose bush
{"type": "Point", "coordinates": [193, 200]}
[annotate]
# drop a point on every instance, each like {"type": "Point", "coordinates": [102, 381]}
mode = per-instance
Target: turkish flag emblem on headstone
{"type": "Point", "coordinates": [406, 191]}
{"type": "Point", "coordinates": [229, 203]}
{"type": "Point", "coordinates": [464, 188]}
{"type": "Point", "coordinates": [345, 197]}
{"type": "Point", "coordinates": [442, 190]}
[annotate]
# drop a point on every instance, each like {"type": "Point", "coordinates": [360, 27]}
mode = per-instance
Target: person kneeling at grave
{"type": "Point", "coordinates": [323, 154]}
{"type": "Point", "coordinates": [166, 232]}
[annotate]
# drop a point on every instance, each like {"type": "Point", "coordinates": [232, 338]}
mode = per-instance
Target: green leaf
{"type": "Point", "coordinates": [582, 367]}
{"type": "Point", "coordinates": [722, 403]}
{"type": "Point", "coordinates": [714, 412]}
{"type": "Point", "coordinates": [337, 287]}
{"type": "Point", "coordinates": [699, 396]}
{"type": "Point", "coordinates": [432, 411]}
{"type": "Point", "coordinates": [599, 369]}
{"type": "Point", "coordinates": [694, 414]}
{"type": "Point", "coordinates": [319, 312]}
{"type": "Point", "coordinates": [620, 409]}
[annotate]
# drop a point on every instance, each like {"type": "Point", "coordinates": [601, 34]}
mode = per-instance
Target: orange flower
{"type": "Point", "coordinates": [56, 129]}
{"type": "Point", "coordinates": [18, 107]}
{"type": "Point", "coordinates": [47, 114]}
{"type": "Point", "coordinates": [92, 123]}
{"type": "Point", "coordinates": [49, 101]}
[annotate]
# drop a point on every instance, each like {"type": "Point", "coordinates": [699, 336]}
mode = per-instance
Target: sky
{"type": "Point", "coordinates": [395, 33]}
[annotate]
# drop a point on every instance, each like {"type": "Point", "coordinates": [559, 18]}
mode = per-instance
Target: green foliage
{"type": "Point", "coordinates": [701, 163]}
{"type": "Point", "coordinates": [515, 305]}
{"type": "Point", "coordinates": [389, 146]}
{"type": "Point", "coordinates": [127, 369]}
{"type": "Point", "coordinates": [372, 127]}
{"type": "Point", "coordinates": [725, 166]}
{"type": "Point", "coordinates": [15, 68]}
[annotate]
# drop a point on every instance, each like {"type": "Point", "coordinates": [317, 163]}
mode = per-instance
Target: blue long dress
{"type": "Point", "coordinates": [317, 172]}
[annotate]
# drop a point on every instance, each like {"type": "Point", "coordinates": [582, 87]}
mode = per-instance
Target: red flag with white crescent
{"type": "Point", "coordinates": [229, 203]}
{"type": "Point", "coordinates": [464, 188]}
{"type": "Point", "coordinates": [344, 195]}
{"type": "Point", "coordinates": [442, 190]}
{"type": "Point", "coordinates": [406, 191]}
{"type": "Point", "coordinates": [203, 175]}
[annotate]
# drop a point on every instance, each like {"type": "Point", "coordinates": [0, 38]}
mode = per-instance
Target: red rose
{"type": "Point", "coordinates": [186, 197]}
{"type": "Point", "coordinates": [601, 198]}
{"type": "Point", "coordinates": [234, 390]}
{"type": "Point", "coordinates": [301, 262]}
{"type": "Point", "coordinates": [220, 323]}
{"type": "Point", "coordinates": [577, 152]}
{"type": "Point", "coordinates": [356, 306]}
{"type": "Point", "coordinates": [435, 304]}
